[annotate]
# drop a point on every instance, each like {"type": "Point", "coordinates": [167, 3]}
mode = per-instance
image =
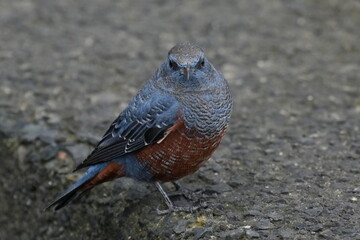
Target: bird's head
{"type": "Point", "coordinates": [185, 59]}
{"type": "Point", "coordinates": [186, 69]}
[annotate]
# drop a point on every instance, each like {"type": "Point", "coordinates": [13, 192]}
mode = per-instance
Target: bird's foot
{"type": "Point", "coordinates": [173, 208]}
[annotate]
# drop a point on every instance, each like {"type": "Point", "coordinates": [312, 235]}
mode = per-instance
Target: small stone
{"type": "Point", "coordinates": [220, 228]}
{"type": "Point", "coordinates": [264, 224]}
{"type": "Point", "coordinates": [252, 234]}
{"type": "Point", "coordinates": [232, 216]}
{"type": "Point", "coordinates": [327, 233]}
{"type": "Point", "coordinates": [299, 225]}
{"type": "Point", "coordinates": [48, 152]}
{"type": "Point", "coordinates": [269, 151]}
{"type": "Point", "coordinates": [253, 213]}
{"type": "Point", "coordinates": [200, 232]}
{"type": "Point", "coordinates": [180, 227]}
{"type": "Point", "coordinates": [28, 202]}
{"type": "Point", "coordinates": [30, 132]}
{"type": "Point", "coordinates": [62, 155]}
{"type": "Point", "coordinates": [316, 228]}
{"type": "Point", "coordinates": [234, 234]}
{"type": "Point", "coordinates": [237, 181]}
{"type": "Point", "coordinates": [220, 188]}
{"type": "Point", "coordinates": [52, 118]}
{"type": "Point", "coordinates": [313, 211]}
{"type": "Point", "coordinates": [24, 67]}
{"type": "Point", "coordinates": [353, 199]}
{"type": "Point", "coordinates": [275, 216]}
{"type": "Point", "coordinates": [286, 233]}
{"type": "Point", "coordinates": [285, 191]}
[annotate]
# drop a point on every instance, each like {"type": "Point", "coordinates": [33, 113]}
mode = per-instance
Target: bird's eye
{"type": "Point", "coordinates": [202, 62]}
{"type": "Point", "coordinates": [172, 64]}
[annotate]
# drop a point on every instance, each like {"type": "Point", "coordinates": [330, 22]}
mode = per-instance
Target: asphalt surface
{"type": "Point", "coordinates": [288, 168]}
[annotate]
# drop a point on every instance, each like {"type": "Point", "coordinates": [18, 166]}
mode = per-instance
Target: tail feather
{"type": "Point", "coordinates": [95, 175]}
{"type": "Point", "coordinates": [78, 188]}
{"type": "Point", "coordinates": [65, 200]}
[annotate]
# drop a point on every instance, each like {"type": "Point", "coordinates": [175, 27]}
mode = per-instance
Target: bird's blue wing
{"type": "Point", "coordinates": [142, 123]}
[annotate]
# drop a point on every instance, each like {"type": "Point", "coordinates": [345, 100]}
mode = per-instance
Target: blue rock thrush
{"type": "Point", "coordinates": [169, 129]}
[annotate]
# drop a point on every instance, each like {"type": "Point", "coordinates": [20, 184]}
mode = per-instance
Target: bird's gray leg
{"type": "Point", "coordinates": [170, 204]}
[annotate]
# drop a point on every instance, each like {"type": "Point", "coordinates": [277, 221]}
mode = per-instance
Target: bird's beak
{"type": "Point", "coordinates": [188, 71]}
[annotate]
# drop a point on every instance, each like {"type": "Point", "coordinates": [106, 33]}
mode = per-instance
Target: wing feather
{"type": "Point", "coordinates": [137, 126]}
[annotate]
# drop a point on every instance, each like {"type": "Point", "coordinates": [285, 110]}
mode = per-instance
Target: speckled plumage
{"type": "Point", "coordinates": [172, 126]}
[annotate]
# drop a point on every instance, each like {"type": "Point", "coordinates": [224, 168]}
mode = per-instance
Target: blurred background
{"type": "Point", "coordinates": [288, 167]}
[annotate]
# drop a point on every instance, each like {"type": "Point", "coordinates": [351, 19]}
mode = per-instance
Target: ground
{"type": "Point", "coordinates": [288, 167]}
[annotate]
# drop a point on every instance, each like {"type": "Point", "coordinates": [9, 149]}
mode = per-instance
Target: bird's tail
{"type": "Point", "coordinates": [94, 175]}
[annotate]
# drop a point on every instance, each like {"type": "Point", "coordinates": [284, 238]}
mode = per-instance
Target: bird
{"type": "Point", "coordinates": [168, 130]}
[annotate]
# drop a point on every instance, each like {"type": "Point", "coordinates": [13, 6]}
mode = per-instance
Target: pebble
{"type": "Point", "coordinates": [220, 188]}
{"type": "Point", "coordinates": [264, 224]}
{"type": "Point", "coordinates": [286, 233]}
{"type": "Point", "coordinates": [200, 232]}
{"type": "Point", "coordinates": [275, 216]}
{"type": "Point", "coordinates": [253, 213]}
{"type": "Point", "coordinates": [30, 132]}
{"type": "Point", "coordinates": [233, 234]}
{"type": "Point", "coordinates": [180, 227]}
{"type": "Point", "coordinates": [252, 234]}
{"type": "Point", "coordinates": [237, 181]}
{"type": "Point", "coordinates": [327, 233]}
{"type": "Point", "coordinates": [48, 152]}
{"type": "Point", "coordinates": [314, 211]}
{"type": "Point", "coordinates": [316, 228]}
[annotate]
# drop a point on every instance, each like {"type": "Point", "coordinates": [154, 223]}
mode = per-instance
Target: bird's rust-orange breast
{"type": "Point", "coordinates": [180, 153]}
